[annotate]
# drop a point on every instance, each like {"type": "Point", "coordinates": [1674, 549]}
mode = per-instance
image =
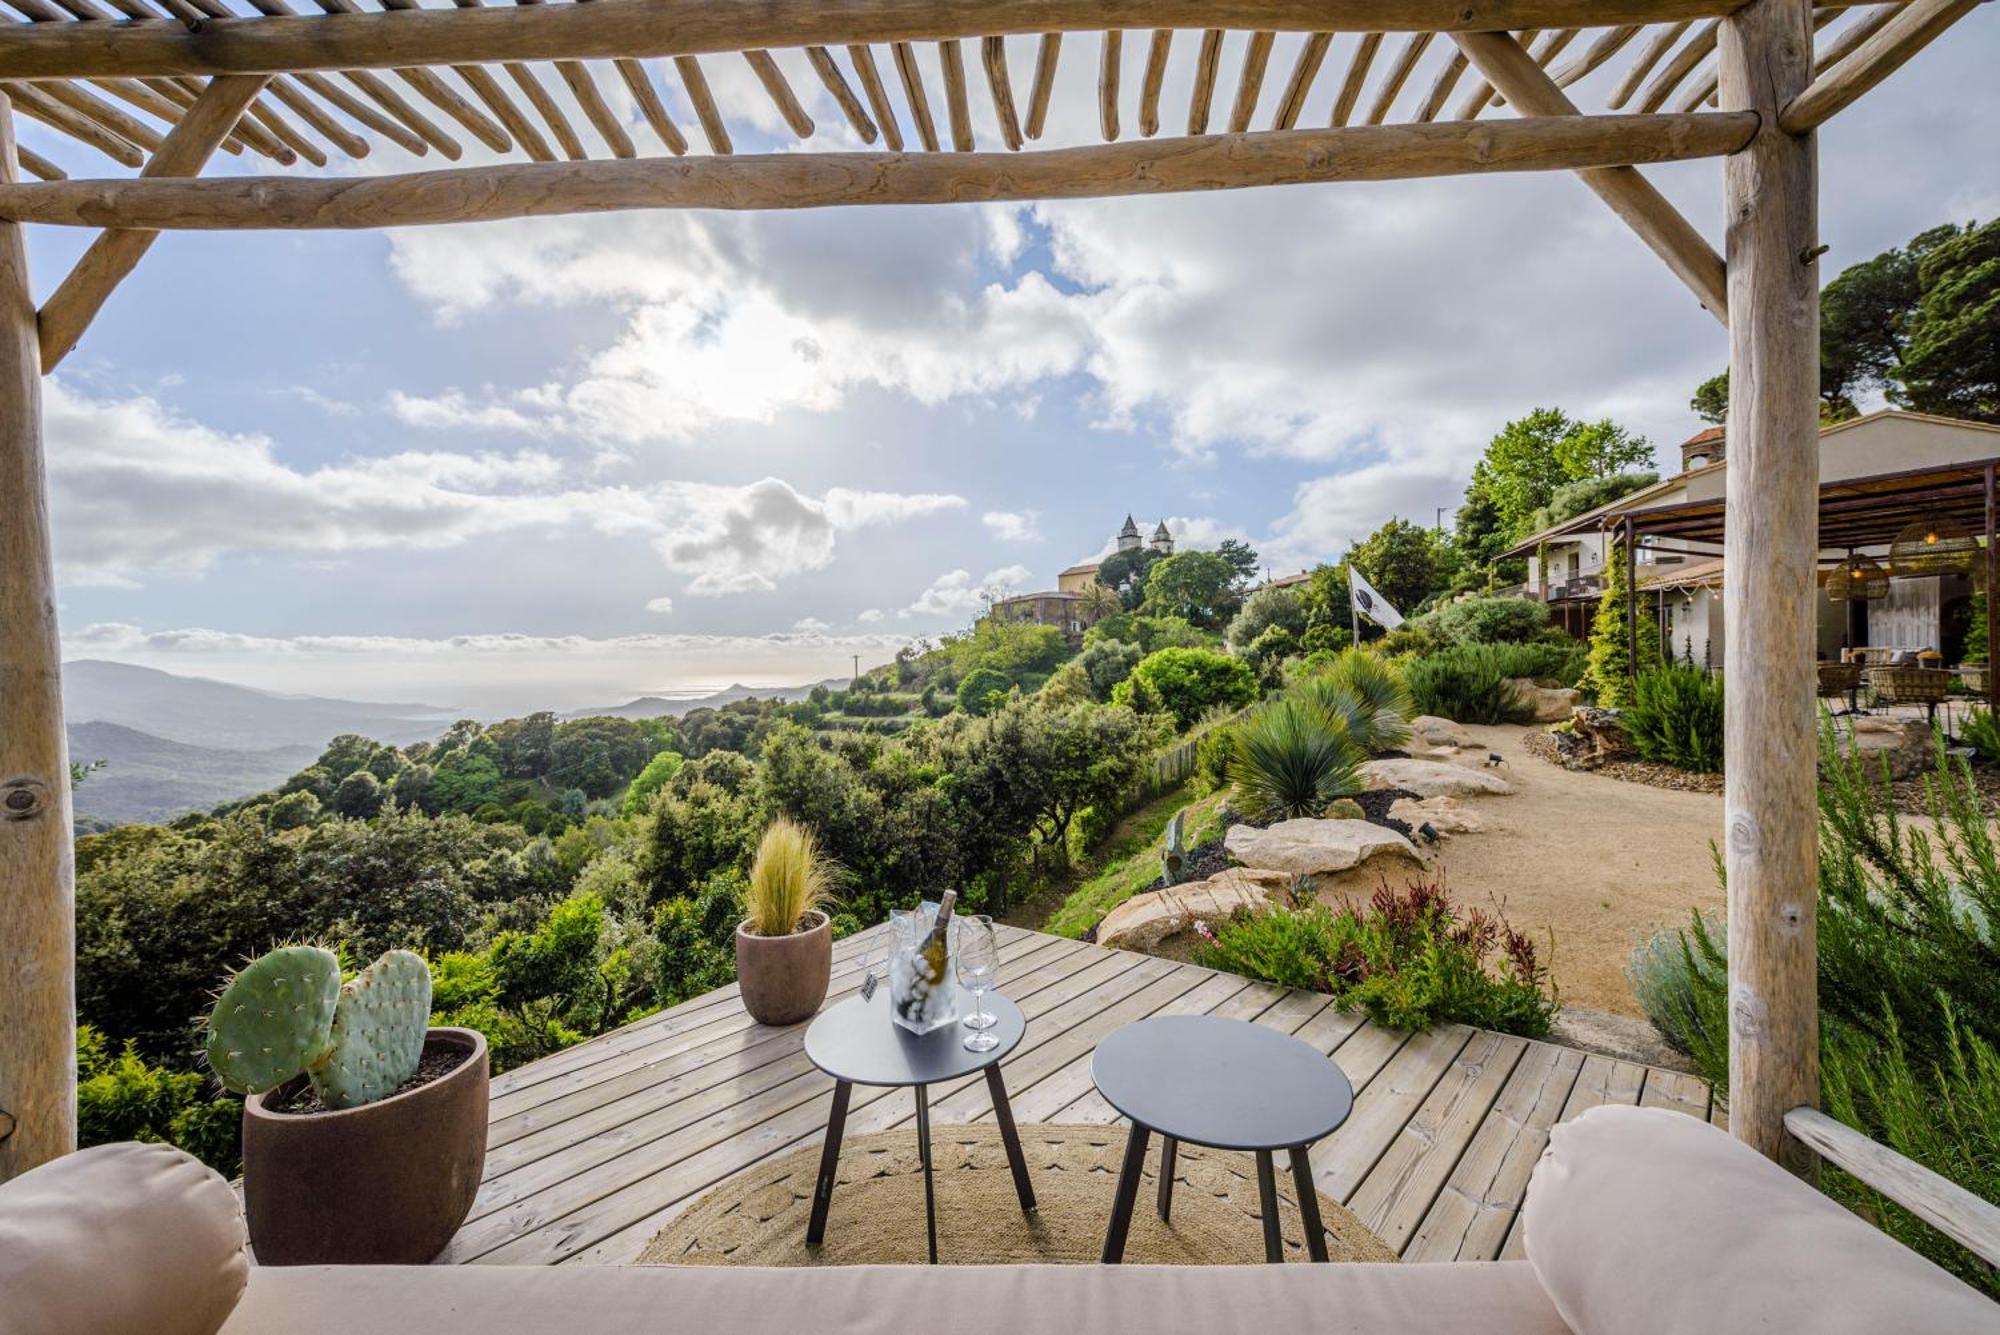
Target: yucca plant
{"type": "Point", "coordinates": [1291, 759]}
{"type": "Point", "coordinates": [789, 878]}
{"type": "Point", "coordinates": [1368, 696]}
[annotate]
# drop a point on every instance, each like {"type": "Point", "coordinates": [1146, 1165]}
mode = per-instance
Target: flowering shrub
{"type": "Point", "coordinates": [1410, 959]}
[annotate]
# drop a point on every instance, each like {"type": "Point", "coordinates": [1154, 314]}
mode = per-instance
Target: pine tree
{"type": "Point", "coordinates": [1609, 670]}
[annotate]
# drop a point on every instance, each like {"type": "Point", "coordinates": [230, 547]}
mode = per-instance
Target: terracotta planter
{"type": "Point", "coordinates": [784, 978]}
{"type": "Point", "coordinates": [387, 1183]}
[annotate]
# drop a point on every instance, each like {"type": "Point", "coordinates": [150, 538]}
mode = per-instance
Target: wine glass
{"type": "Point", "coordinates": [977, 958]}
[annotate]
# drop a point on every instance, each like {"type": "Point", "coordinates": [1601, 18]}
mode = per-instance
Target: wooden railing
{"type": "Point", "coordinates": [1172, 766]}
{"type": "Point", "coordinates": [1971, 1222]}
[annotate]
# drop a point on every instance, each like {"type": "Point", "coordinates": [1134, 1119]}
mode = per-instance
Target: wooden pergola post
{"type": "Point", "coordinates": [1991, 571]}
{"type": "Point", "coordinates": [1770, 551]}
{"type": "Point", "coordinates": [37, 887]}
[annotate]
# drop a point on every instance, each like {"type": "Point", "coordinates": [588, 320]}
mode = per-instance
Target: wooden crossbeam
{"type": "Point", "coordinates": [1909, 32]}
{"type": "Point", "coordinates": [1631, 196]}
{"type": "Point", "coordinates": [640, 28]}
{"type": "Point", "coordinates": [812, 180]}
{"type": "Point", "coordinates": [74, 304]}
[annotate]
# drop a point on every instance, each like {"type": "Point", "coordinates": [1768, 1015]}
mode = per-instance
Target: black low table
{"type": "Point", "coordinates": [1229, 1085]}
{"type": "Point", "coordinates": [857, 1044]}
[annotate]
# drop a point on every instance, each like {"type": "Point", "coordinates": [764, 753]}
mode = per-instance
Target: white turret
{"type": "Point", "coordinates": [1128, 537]}
{"type": "Point", "coordinates": [1163, 541]}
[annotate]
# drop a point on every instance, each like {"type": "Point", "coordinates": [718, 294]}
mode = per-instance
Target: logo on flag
{"type": "Point", "coordinates": [1370, 603]}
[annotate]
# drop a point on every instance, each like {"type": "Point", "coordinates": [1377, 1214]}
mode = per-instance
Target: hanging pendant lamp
{"type": "Point", "coordinates": [1858, 579]}
{"type": "Point", "coordinates": [1935, 544]}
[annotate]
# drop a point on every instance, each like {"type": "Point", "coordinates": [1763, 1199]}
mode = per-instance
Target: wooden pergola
{"type": "Point", "coordinates": [159, 86]}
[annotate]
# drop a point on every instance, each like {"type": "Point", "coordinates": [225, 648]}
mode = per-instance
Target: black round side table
{"type": "Point", "coordinates": [1229, 1085]}
{"type": "Point", "coordinates": [857, 1044]}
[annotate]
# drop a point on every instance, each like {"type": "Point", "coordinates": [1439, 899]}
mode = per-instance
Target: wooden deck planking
{"type": "Point", "coordinates": [594, 1149]}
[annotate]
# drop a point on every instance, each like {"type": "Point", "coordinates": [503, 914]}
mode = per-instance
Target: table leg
{"type": "Point", "coordinates": [1267, 1197]}
{"type": "Point", "coordinates": [1169, 1153]}
{"type": "Point", "coordinates": [1003, 1113]}
{"type": "Point", "coordinates": [1302, 1182]}
{"type": "Point", "coordinates": [924, 1153]}
{"type": "Point", "coordinates": [829, 1163]}
{"type": "Point", "coordinates": [1129, 1174]}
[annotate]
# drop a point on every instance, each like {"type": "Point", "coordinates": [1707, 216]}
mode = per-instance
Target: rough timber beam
{"type": "Point", "coordinates": [1909, 32]}
{"type": "Point", "coordinates": [814, 180]}
{"type": "Point", "coordinates": [73, 305]}
{"type": "Point", "coordinates": [639, 28]}
{"type": "Point", "coordinates": [1526, 85]}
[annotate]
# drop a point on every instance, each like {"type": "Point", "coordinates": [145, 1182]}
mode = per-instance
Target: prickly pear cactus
{"type": "Point", "coordinates": [274, 1019]}
{"type": "Point", "coordinates": [378, 1032]}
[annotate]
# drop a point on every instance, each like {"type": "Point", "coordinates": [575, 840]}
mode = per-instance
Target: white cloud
{"type": "Point", "coordinates": [140, 491]}
{"type": "Point", "coordinates": [452, 410]}
{"type": "Point", "coordinates": [810, 626]}
{"type": "Point", "coordinates": [870, 616]}
{"type": "Point", "coordinates": [1012, 525]}
{"type": "Point", "coordinates": [956, 593]}
{"type": "Point", "coordinates": [662, 604]}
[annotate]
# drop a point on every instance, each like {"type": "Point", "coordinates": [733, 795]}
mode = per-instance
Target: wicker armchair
{"type": "Point", "coordinates": [1910, 686]}
{"type": "Point", "coordinates": [1837, 680]}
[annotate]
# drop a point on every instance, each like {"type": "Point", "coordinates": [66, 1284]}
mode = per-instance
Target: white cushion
{"type": "Point", "coordinates": [1641, 1221]}
{"type": "Point", "coordinates": [120, 1240]}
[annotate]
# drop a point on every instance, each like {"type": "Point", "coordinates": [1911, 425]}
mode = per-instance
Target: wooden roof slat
{"type": "Point", "coordinates": [641, 28]}
{"type": "Point", "coordinates": [806, 180]}
{"type": "Point", "coordinates": [1157, 51]}
{"type": "Point", "coordinates": [1413, 50]}
{"type": "Point", "coordinates": [1547, 47]}
{"type": "Point", "coordinates": [640, 84]}
{"type": "Point", "coordinates": [1482, 94]}
{"type": "Point", "coordinates": [1884, 52]}
{"type": "Point", "coordinates": [1250, 81]}
{"type": "Point", "coordinates": [993, 56]}
{"type": "Point", "coordinates": [288, 134]}
{"type": "Point", "coordinates": [835, 83]}
{"type": "Point", "coordinates": [154, 103]}
{"type": "Point", "coordinates": [1608, 44]}
{"type": "Point", "coordinates": [32, 101]}
{"type": "Point", "coordinates": [293, 97]}
{"type": "Point", "coordinates": [39, 165]}
{"type": "Point", "coordinates": [1698, 48]}
{"type": "Point", "coordinates": [1357, 76]}
{"type": "Point", "coordinates": [913, 93]}
{"type": "Point", "coordinates": [86, 103]}
{"type": "Point", "coordinates": [543, 101]}
{"type": "Point", "coordinates": [957, 101]}
{"type": "Point", "coordinates": [492, 96]}
{"type": "Point", "coordinates": [582, 85]}
{"type": "Point", "coordinates": [878, 97]}
{"type": "Point", "coordinates": [765, 67]}
{"type": "Point", "coordinates": [378, 90]}
{"type": "Point", "coordinates": [387, 126]}
{"type": "Point", "coordinates": [1703, 90]}
{"type": "Point", "coordinates": [703, 101]}
{"type": "Point", "coordinates": [1312, 55]}
{"type": "Point", "coordinates": [1447, 79]}
{"type": "Point", "coordinates": [1046, 57]}
{"type": "Point", "coordinates": [1207, 63]}
{"type": "Point", "coordinates": [187, 92]}
{"type": "Point", "coordinates": [1649, 55]}
{"type": "Point", "coordinates": [1110, 59]}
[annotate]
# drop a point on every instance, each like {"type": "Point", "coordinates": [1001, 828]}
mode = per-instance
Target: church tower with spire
{"type": "Point", "coordinates": [1163, 541]}
{"type": "Point", "coordinates": [1128, 537]}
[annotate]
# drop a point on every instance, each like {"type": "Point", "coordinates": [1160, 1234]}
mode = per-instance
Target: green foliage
{"type": "Point", "coordinates": [126, 1098]}
{"type": "Point", "coordinates": [1201, 588]}
{"type": "Point", "coordinates": [1580, 497]}
{"type": "Point", "coordinates": [1268, 653]}
{"type": "Point", "coordinates": [1284, 607]}
{"type": "Point", "coordinates": [650, 780]}
{"type": "Point", "coordinates": [1291, 759]}
{"type": "Point", "coordinates": [1951, 364]}
{"type": "Point", "coordinates": [1011, 648]}
{"type": "Point", "coordinates": [377, 1037]}
{"type": "Point", "coordinates": [1679, 977]}
{"type": "Point", "coordinates": [1366, 697]}
{"type": "Point", "coordinates": [1908, 930]}
{"type": "Point", "coordinates": [274, 1018]}
{"type": "Point", "coordinates": [1531, 457]}
{"type": "Point", "coordinates": [1402, 560]}
{"type": "Point", "coordinates": [1132, 863]}
{"type": "Point", "coordinates": [984, 691]}
{"type": "Point", "coordinates": [1324, 638]}
{"type": "Point", "coordinates": [463, 782]}
{"type": "Point", "coordinates": [1105, 663]}
{"type": "Point", "coordinates": [1150, 633]}
{"type": "Point", "coordinates": [1187, 683]}
{"type": "Point", "coordinates": [697, 938]}
{"type": "Point", "coordinates": [1126, 573]}
{"type": "Point", "coordinates": [292, 811]}
{"type": "Point", "coordinates": [359, 796]}
{"type": "Point", "coordinates": [1612, 668]}
{"type": "Point", "coordinates": [1675, 717]}
{"type": "Point", "coordinates": [1711, 399]}
{"type": "Point", "coordinates": [1213, 755]}
{"type": "Point", "coordinates": [1469, 684]}
{"type": "Point", "coordinates": [1409, 959]}
{"type": "Point", "coordinates": [1980, 730]}
{"type": "Point", "coordinates": [1488, 621]}
{"type": "Point", "coordinates": [789, 879]}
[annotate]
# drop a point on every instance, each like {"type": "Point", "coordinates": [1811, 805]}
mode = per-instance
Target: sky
{"type": "Point", "coordinates": [557, 463]}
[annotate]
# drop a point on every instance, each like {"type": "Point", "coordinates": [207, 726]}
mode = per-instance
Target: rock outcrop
{"type": "Point", "coordinates": [1432, 778]}
{"type": "Point", "coordinates": [1446, 815]}
{"type": "Point", "coordinates": [1544, 704]}
{"type": "Point", "coordinates": [1906, 743]}
{"type": "Point", "coordinates": [1594, 737]}
{"type": "Point", "coordinates": [1145, 920]}
{"type": "Point", "coordinates": [1308, 847]}
{"type": "Point", "coordinates": [1432, 731]}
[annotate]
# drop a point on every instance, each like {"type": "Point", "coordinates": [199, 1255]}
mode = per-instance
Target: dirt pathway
{"type": "Point", "coordinates": [1600, 861]}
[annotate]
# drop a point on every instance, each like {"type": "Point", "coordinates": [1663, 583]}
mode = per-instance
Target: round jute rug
{"type": "Point", "coordinates": [759, 1216]}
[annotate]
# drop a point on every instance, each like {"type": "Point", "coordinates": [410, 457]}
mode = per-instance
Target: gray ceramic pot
{"type": "Point", "coordinates": [387, 1183]}
{"type": "Point", "coordinates": [784, 978]}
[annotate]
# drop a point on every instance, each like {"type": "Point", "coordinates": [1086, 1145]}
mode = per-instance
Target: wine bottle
{"type": "Point", "coordinates": [936, 950]}
{"type": "Point", "coordinates": [929, 967]}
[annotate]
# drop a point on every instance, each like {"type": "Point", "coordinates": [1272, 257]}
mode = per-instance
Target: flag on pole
{"type": "Point", "coordinates": [1371, 604]}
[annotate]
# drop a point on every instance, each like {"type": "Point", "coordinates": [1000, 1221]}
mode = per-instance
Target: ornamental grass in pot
{"type": "Point", "coordinates": [784, 945]}
{"type": "Point", "coordinates": [364, 1131]}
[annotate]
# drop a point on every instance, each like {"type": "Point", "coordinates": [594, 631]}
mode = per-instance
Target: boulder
{"type": "Point", "coordinates": [1907, 743]}
{"type": "Point", "coordinates": [1446, 815]}
{"type": "Point", "coordinates": [1544, 704]}
{"type": "Point", "coordinates": [1344, 808]}
{"type": "Point", "coordinates": [1594, 736]}
{"type": "Point", "coordinates": [1432, 778]}
{"type": "Point", "coordinates": [1308, 847]}
{"type": "Point", "coordinates": [1143, 921]}
{"type": "Point", "coordinates": [1432, 731]}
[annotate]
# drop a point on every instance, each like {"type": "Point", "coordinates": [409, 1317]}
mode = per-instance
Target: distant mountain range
{"type": "Point", "coordinates": [660, 706]}
{"type": "Point", "coordinates": [174, 744]}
